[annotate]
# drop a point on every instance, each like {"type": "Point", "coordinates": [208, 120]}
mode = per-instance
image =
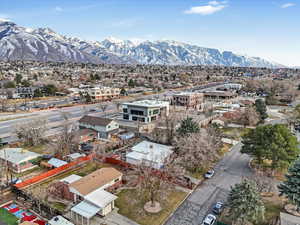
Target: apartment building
{"type": "Point", "coordinates": [188, 99]}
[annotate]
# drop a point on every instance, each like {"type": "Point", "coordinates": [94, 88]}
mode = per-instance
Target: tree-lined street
{"type": "Point", "coordinates": [229, 171]}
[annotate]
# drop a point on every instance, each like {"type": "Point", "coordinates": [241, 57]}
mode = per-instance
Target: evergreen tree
{"type": "Point", "coordinates": [18, 78]}
{"type": "Point", "coordinates": [38, 93]}
{"type": "Point", "coordinates": [290, 187]}
{"type": "Point", "coordinates": [123, 92]}
{"type": "Point", "coordinates": [10, 84]}
{"type": "Point", "coordinates": [272, 142]}
{"type": "Point", "coordinates": [188, 126]}
{"type": "Point", "coordinates": [131, 83]}
{"type": "Point", "coordinates": [261, 109]}
{"type": "Point", "coordinates": [245, 203]}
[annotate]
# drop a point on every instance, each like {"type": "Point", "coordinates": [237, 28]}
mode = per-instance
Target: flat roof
{"type": "Point", "coordinates": [86, 209]}
{"type": "Point", "coordinates": [57, 162]}
{"type": "Point", "coordinates": [70, 179]}
{"type": "Point", "coordinates": [59, 220]}
{"type": "Point", "coordinates": [100, 198]}
{"type": "Point", "coordinates": [148, 103]}
{"type": "Point", "coordinates": [150, 151]}
{"type": "Point", "coordinates": [17, 155]}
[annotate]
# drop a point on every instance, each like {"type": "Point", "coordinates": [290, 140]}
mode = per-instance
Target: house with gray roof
{"type": "Point", "coordinates": [18, 159]}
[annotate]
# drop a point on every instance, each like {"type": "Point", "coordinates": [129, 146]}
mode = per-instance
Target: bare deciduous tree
{"type": "Point", "coordinates": [65, 141]}
{"type": "Point", "coordinates": [155, 184]}
{"type": "Point", "coordinates": [32, 132]}
{"type": "Point", "coordinates": [167, 128]}
{"type": "Point", "coordinates": [103, 108]}
{"type": "Point", "coordinates": [3, 104]}
{"type": "Point", "coordinates": [197, 150]}
{"type": "Point", "coordinates": [249, 117]}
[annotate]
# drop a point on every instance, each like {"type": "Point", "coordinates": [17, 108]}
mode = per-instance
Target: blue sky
{"type": "Point", "coordinates": [268, 29]}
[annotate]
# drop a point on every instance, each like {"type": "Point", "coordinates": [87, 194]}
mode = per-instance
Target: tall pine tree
{"type": "Point", "coordinates": [245, 203]}
{"type": "Point", "coordinates": [291, 186]}
{"type": "Point", "coordinates": [188, 126]}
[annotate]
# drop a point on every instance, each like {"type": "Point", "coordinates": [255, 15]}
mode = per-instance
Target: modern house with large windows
{"type": "Point", "coordinates": [145, 111]}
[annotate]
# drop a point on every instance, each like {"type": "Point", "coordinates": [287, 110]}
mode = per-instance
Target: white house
{"type": "Point", "coordinates": [91, 191]}
{"type": "Point", "coordinates": [145, 110]}
{"type": "Point", "coordinates": [18, 159]}
{"type": "Point", "coordinates": [150, 153]}
{"type": "Point", "coordinates": [103, 126]}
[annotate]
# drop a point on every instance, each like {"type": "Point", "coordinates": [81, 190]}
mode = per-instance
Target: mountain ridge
{"type": "Point", "coordinates": [44, 44]}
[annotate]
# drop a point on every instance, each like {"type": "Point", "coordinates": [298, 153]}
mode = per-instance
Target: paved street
{"type": "Point", "coordinates": [229, 171]}
{"type": "Point", "coordinates": [54, 116]}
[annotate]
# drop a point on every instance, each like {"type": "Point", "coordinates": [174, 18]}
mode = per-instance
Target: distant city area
{"type": "Point", "coordinates": [124, 144]}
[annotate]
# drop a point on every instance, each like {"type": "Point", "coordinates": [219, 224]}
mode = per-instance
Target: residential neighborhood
{"type": "Point", "coordinates": [184, 147]}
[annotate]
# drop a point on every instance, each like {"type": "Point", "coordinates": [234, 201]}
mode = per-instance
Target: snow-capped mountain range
{"type": "Point", "coordinates": [43, 44]}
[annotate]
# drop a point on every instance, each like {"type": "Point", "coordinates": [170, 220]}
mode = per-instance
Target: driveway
{"type": "Point", "coordinates": [229, 171]}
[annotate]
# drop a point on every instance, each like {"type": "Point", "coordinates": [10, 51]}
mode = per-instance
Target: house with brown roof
{"type": "Point", "coordinates": [103, 126]}
{"type": "Point", "coordinates": [92, 194]}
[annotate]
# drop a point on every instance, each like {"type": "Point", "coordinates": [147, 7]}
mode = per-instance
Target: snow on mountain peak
{"type": "Point", "coordinates": [45, 44]}
{"type": "Point", "coordinates": [114, 40]}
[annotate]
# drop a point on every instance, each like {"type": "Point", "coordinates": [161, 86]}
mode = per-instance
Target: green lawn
{"type": "Point", "coordinates": [60, 206]}
{"type": "Point", "coordinates": [8, 218]}
{"type": "Point", "coordinates": [131, 206]}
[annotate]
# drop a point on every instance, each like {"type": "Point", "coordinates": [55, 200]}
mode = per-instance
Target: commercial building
{"type": "Point", "coordinates": [102, 93]}
{"type": "Point", "coordinates": [188, 99]}
{"type": "Point", "coordinates": [103, 126]}
{"type": "Point", "coordinates": [145, 110]}
{"type": "Point", "coordinates": [18, 159]}
{"type": "Point", "coordinates": [219, 95]}
{"type": "Point", "coordinates": [149, 153]}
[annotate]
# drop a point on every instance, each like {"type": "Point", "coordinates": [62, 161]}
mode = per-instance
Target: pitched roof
{"type": "Point", "coordinates": [95, 180]}
{"type": "Point", "coordinates": [94, 120]}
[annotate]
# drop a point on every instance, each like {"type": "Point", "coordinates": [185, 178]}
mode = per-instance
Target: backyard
{"type": "Point", "coordinates": [134, 209]}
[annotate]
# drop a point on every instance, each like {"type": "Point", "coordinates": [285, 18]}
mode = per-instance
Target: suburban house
{"type": "Point", "coordinates": [188, 99]}
{"type": "Point", "coordinates": [91, 195]}
{"type": "Point", "coordinates": [18, 159]}
{"type": "Point", "coordinates": [150, 153]}
{"type": "Point", "coordinates": [85, 135]}
{"type": "Point", "coordinates": [103, 126]}
{"type": "Point", "coordinates": [145, 110]}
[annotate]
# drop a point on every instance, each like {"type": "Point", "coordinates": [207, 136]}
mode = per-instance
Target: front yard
{"type": "Point", "coordinates": [273, 207]}
{"type": "Point", "coordinates": [131, 206]}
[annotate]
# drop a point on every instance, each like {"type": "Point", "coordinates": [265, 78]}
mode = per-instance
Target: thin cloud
{"type": "Point", "coordinates": [58, 9]}
{"type": "Point", "coordinates": [287, 5]}
{"type": "Point", "coordinates": [210, 8]}
{"type": "Point", "coordinates": [126, 23]}
{"type": "Point", "coordinates": [4, 17]}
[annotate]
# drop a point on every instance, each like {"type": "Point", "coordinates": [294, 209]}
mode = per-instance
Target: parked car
{"type": "Point", "coordinates": [210, 219]}
{"type": "Point", "coordinates": [93, 110]}
{"type": "Point", "coordinates": [209, 174]}
{"type": "Point", "coordinates": [86, 147]}
{"type": "Point", "coordinates": [218, 208]}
